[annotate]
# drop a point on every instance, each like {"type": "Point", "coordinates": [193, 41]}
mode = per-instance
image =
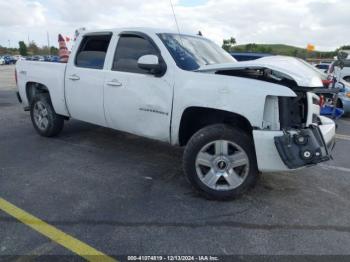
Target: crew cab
{"type": "Point", "coordinates": [235, 119]}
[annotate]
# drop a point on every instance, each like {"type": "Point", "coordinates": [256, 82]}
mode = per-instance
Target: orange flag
{"type": "Point", "coordinates": [310, 47]}
{"type": "Point", "coordinates": [63, 52]}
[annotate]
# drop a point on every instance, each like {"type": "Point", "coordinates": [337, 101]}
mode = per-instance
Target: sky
{"type": "Point", "coordinates": [324, 23]}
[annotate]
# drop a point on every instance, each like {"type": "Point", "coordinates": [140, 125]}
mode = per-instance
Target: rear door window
{"type": "Point", "coordinates": [92, 51]}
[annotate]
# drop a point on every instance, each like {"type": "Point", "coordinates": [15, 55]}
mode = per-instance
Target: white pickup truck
{"type": "Point", "coordinates": [236, 119]}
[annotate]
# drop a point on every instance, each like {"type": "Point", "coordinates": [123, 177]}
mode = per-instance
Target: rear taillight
{"type": "Point", "coordinates": [322, 101]}
{"type": "Point", "coordinates": [16, 76]}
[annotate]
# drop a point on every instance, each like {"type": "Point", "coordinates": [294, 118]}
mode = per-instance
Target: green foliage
{"type": "Point", "coordinates": [228, 44]}
{"type": "Point", "coordinates": [33, 49]}
{"type": "Point", "coordinates": [278, 49]}
{"type": "Point", "coordinates": [23, 51]}
{"type": "Point", "coordinates": [53, 50]}
{"type": "Point", "coordinates": [8, 51]}
{"type": "Point", "coordinates": [344, 47]}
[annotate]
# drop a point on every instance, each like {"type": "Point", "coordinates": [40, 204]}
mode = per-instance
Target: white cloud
{"type": "Point", "coordinates": [324, 23]}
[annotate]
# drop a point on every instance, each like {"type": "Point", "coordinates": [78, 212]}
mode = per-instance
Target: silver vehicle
{"type": "Point", "coordinates": [343, 101]}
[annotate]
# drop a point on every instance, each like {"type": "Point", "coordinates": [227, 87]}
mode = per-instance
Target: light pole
{"type": "Point", "coordinates": [48, 42]}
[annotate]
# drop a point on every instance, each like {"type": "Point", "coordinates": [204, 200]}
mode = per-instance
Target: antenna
{"type": "Point", "coordinates": [177, 25]}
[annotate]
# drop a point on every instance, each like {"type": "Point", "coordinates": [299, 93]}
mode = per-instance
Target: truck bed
{"type": "Point", "coordinates": [49, 74]}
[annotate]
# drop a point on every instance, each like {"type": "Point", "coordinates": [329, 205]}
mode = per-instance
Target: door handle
{"type": "Point", "coordinates": [114, 82]}
{"type": "Point", "coordinates": [74, 77]}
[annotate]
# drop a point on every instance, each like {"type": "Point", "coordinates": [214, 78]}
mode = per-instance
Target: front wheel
{"type": "Point", "coordinates": [44, 118]}
{"type": "Point", "coordinates": [220, 162]}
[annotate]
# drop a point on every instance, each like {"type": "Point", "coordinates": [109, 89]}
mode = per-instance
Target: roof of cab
{"type": "Point", "coordinates": [149, 30]}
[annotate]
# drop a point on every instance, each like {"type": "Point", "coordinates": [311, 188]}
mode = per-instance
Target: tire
{"type": "Point", "coordinates": [44, 118]}
{"type": "Point", "coordinates": [227, 155]}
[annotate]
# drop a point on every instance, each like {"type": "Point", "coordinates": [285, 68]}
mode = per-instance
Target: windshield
{"type": "Point", "coordinates": [192, 52]}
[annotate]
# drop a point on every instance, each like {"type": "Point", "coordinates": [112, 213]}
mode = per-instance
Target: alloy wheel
{"type": "Point", "coordinates": [222, 165]}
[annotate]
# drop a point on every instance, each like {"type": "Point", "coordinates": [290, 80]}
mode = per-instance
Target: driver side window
{"type": "Point", "coordinates": [129, 49]}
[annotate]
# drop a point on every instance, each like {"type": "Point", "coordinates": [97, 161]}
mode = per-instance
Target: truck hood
{"type": "Point", "coordinates": [293, 68]}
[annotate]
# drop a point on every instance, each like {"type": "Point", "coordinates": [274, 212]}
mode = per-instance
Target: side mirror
{"type": "Point", "coordinates": [151, 64]}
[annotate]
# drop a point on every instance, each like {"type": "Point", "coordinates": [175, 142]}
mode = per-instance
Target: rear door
{"type": "Point", "coordinates": [84, 79]}
{"type": "Point", "coordinates": [135, 100]}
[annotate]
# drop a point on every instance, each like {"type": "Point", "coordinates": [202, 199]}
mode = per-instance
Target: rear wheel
{"type": "Point", "coordinates": [220, 162]}
{"type": "Point", "coordinates": [44, 118]}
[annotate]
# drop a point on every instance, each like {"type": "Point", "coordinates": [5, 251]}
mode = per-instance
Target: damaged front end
{"type": "Point", "coordinates": [302, 143]}
{"type": "Point", "coordinates": [305, 138]}
{"type": "Point", "coordinates": [293, 134]}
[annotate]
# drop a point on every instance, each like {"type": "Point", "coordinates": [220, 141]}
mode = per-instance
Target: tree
{"type": "Point", "coordinates": [228, 44]}
{"type": "Point", "coordinates": [22, 48]}
{"type": "Point", "coordinates": [344, 47]}
{"type": "Point", "coordinates": [53, 50]}
{"type": "Point", "coordinates": [251, 47]}
{"type": "Point", "coordinates": [33, 48]}
{"type": "Point", "coordinates": [44, 50]}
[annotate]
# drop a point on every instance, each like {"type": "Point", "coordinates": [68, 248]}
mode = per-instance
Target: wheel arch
{"type": "Point", "coordinates": [194, 118]}
{"type": "Point", "coordinates": [339, 103]}
{"type": "Point", "coordinates": [34, 88]}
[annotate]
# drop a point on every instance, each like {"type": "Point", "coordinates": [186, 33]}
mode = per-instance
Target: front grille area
{"type": "Point", "coordinates": [293, 111]}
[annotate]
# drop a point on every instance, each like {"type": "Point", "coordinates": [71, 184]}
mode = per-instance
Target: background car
{"type": "Point", "coordinates": [18, 57]}
{"type": "Point", "coordinates": [8, 60]}
{"type": "Point", "coordinates": [343, 100]}
{"type": "Point", "coordinates": [38, 58]}
{"type": "Point", "coordinates": [247, 56]}
{"type": "Point", "coordinates": [323, 66]}
{"type": "Point", "coordinates": [51, 58]}
{"type": "Point", "coordinates": [340, 73]}
{"type": "Point", "coordinates": [47, 58]}
{"type": "Point", "coordinates": [2, 60]}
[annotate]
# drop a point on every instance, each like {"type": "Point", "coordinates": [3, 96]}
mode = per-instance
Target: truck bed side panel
{"type": "Point", "coordinates": [51, 75]}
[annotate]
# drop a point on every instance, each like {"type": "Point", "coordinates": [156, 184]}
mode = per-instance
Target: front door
{"type": "Point", "coordinates": [135, 100]}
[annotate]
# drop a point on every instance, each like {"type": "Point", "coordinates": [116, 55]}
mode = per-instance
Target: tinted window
{"type": "Point", "coordinates": [322, 66]}
{"type": "Point", "coordinates": [129, 49]}
{"type": "Point", "coordinates": [92, 51]}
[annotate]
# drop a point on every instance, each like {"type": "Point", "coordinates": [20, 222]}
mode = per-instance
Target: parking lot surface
{"type": "Point", "coordinates": [125, 195]}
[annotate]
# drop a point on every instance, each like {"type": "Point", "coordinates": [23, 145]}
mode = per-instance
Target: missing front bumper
{"type": "Point", "coordinates": [299, 148]}
{"type": "Point", "coordinates": [267, 155]}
